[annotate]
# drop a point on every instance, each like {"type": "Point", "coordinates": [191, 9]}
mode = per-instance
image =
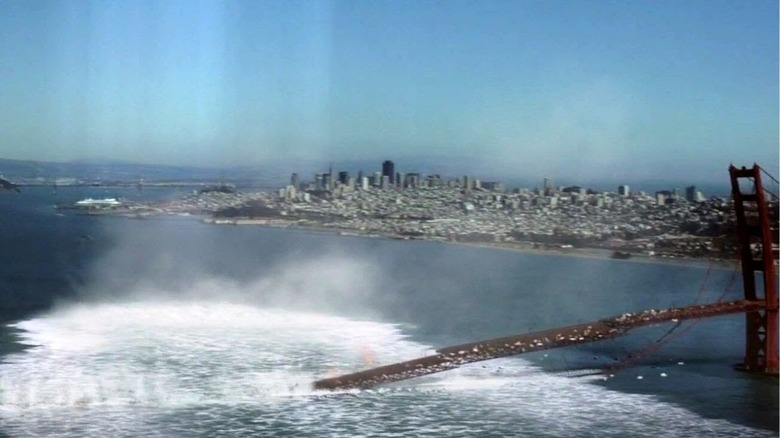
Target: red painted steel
{"type": "Point", "coordinates": [449, 358]}
{"type": "Point", "coordinates": [754, 227]}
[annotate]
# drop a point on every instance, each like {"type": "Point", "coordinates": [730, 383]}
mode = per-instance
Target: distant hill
{"type": "Point", "coordinates": [42, 172]}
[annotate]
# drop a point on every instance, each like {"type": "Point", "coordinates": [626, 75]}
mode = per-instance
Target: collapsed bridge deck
{"type": "Point", "coordinates": [452, 357]}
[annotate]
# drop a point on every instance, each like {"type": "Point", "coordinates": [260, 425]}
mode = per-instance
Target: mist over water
{"type": "Point", "coordinates": [186, 260]}
{"type": "Point", "coordinates": [179, 328]}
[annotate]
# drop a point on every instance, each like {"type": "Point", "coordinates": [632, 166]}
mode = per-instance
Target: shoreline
{"type": "Point", "coordinates": [520, 247]}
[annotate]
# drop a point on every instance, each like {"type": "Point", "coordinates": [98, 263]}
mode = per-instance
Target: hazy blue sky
{"type": "Point", "coordinates": [578, 88]}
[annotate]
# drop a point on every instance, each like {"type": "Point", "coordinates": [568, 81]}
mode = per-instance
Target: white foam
{"type": "Point", "coordinates": [181, 353]}
{"type": "Point", "coordinates": [101, 367]}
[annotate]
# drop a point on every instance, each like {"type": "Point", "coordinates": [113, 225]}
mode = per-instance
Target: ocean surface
{"type": "Point", "coordinates": [171, 327]}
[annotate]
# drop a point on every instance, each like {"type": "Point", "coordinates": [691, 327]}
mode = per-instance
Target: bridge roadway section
{"type": "Point", "coordinates": [452, 357]}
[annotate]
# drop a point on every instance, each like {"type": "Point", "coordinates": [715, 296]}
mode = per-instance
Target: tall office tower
{"type": "Point", "coordinates": [690, 194]}
{"type": "Point", "coordinates": [412, 180]}
{"type": "Point", "coordinates": [547, 189]}
{"type": "Point", "coordinates": [377, 179]}
{"type": "Point", "coordinates": [388, 170]}
{"type": "Point", "coordinates": [385, 184]}
{"type": "Point", "coordinates": [343, 177]}
{"type": "Point", "coordinates": [435, 180]}
{"type": "Point", "coordinates": [663, 197]}
{"type": "Point", "coordinates": [399, 179]}
{"type": "Point", "coordinates": [327, 182]}
{"type": "Point", "coordinates": [318, 181]}
{"type": "Point", "coordinates": [360, 177]}
{"type": "Point", "coordinates": [290, 193]}
{"type": "Point", "coordinates": [295, 181]}
{"type": "Point", "coordinates": [364, 182]}
{"type": "Point", "coordinates": [623, 190]}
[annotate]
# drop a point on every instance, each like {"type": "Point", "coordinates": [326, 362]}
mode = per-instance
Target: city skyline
{"type": "Point", "coordinates": [620, 90]}
{"type": "Point", "coordinates": [39, 172]}
{"type": "Point", "coordinates": [369, 178]}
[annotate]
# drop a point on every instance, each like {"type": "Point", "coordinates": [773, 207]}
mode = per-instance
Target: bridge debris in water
{"type": "Point", "coordinates": [452, 357]}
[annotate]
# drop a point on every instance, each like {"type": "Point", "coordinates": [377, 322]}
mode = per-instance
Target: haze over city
{"type": "Point", "coordinates": [606, 90]}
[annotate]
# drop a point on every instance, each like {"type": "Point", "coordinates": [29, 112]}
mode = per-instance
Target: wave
{"type": "Point", "coordinates": [204, 367]}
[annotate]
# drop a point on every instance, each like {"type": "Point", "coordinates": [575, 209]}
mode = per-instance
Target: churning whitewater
{"type": "Point", "coordinates": [201, 367]}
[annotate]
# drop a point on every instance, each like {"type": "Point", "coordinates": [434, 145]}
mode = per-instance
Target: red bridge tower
{"type": "Point", "coordinates": [757, 231]}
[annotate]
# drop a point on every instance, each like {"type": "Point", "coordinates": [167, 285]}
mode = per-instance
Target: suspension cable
{"type": "Point", "coordinates": [773, 195]}
{"type": "Point", "coordinates": [769, 175]}
{"type": "Point", "coordinates": [670, 335]}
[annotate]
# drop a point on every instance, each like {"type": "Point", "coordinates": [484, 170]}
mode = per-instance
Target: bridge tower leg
{"type": "Point", "coordinates": [758, 237]}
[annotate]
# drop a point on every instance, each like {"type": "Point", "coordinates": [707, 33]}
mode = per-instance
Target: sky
{"type": "Point", "coordinates": [582, 89]}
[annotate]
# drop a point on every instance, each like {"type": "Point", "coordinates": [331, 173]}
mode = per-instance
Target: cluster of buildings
{"type": "Point", "coordinates": [410, 206]}
{"type": "Point", "coordinates": [466, 209]}
{"type": "Point", "coordinates": [335, 185]}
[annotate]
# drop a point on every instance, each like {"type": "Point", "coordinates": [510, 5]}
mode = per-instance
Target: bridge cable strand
{"type": "Point", "coordinates": [766, 190]}
{"type": "Point", "coordinates": [702, 288]}
{"type": "Point", "coordinates": [672, 334]}
{"type": "Point", "coordinates": [769, 175]}
{"type": "Point", "coordinates": [769, 192]}
{"type": "Point", "coordinates": [667, 337]}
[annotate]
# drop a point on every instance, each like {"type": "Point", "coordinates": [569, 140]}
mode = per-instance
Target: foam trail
{"type": "Point", "coordinates": [232, 351]}
{"type": "Point", "coordinates": [198, 367]}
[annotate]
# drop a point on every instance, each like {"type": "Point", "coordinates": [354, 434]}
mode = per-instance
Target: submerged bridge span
{"type": "Point", "coordinates": [758, 236]}
{"type": "Point", "coordinates": [452, 357]}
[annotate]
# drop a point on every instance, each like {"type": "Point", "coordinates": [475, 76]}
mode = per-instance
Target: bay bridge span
{"type": "Point", "coordinates": [757, 234]}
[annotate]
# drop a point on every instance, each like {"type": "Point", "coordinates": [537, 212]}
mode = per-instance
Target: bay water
{"type": "Point", "coordinates": [173, 327]}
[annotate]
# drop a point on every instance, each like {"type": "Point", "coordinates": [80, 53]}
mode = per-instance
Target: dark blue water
{"type": "Point", "coordinates": [179, 306]}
